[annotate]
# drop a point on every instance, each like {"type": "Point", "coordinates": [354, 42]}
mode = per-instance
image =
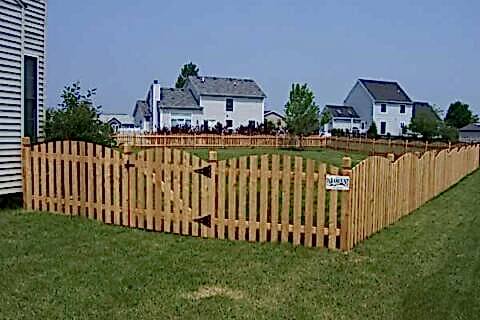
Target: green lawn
{"type": "Point", "coordinates": [425, 267]}
{"type": "Point", "coordinates": [322, 155]}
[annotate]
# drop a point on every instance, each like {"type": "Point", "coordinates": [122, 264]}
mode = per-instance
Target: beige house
{"type": "Point", "coordinates": [274, 117]}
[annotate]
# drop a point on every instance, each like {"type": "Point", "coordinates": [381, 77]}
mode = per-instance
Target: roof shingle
{"type": "Point", "coordinates": [341, 111]}
{"type": "Point", "coordinates": [177, 98]}
{"type": "Point", "coordinates": [386, 90]}
{"type": "Point", "coordinates": [232, 87]}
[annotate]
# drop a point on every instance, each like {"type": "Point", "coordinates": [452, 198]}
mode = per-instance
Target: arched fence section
{"type": "Point", "coordinates": [267, 198]}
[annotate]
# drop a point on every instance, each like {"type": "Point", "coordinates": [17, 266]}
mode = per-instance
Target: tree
{"type": "Point", "coordinates": [448, 133]}
{"type": "Point", "coordinates": [459, 115]}
{"type": "Point", "coordinates": [77, 119]}
{"type": "Point", "coordinates": [301, 112]}
{"type": "Point", "coordinates": [189, 69]}
{"type": "Point", "coordinates": [425, 124]}
{"type": "Point", "coordinates": [372, 131]}
{"type": "Point", "coordinates": [326, 117]}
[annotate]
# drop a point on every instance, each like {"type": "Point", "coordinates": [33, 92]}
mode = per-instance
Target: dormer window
{"type": "Point", "coordinates": [383, 108]}
{"type": "Point", "coordinates": [402, 108]}
{"type": "Point", "coordinates": [229, 105]}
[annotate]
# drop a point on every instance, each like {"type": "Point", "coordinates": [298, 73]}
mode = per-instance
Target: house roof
{"type": "Point", "coordinates": [232, 87]}
{"type": "Point", "coordinates": [177, 98]}
{"type": "Point", "coordinates": [142, 107]}
{"type": "Point", "coordinates": [269, 112]}
{"type": "Point", "coordinates": [385, 90]}
{"type": "Point", "coordinates": [341, 111]}
{"type": "Point", "coordinates": [123, 118]}
{"type": "Point", "coordinates": [472, 127]}
{"type": "Point", "coordinates": [424, 107]}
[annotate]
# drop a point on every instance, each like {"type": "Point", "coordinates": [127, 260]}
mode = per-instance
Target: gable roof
{"type": "Point", "coordinates": [142, 107]}
{"type": "Point", "coordinates": [231, 87]}
{"type": "Point", "coordinates": [123, 118]}
{"type": "Point", "coordinates": [341, 111]}
{"type": "Point", "coordinates": [177, 98]}
{"type": "Point", "coordinates": [424, 107]}
{"type": "Point", "coordinates": [385, 90]}
{"type": "Point", "coordinates": [472, 127]}
{"type": "Point", "coordinates": [269, 112]}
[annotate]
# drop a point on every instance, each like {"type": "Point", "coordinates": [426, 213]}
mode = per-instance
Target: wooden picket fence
{"type": "Point", "coordinates": [348, 144]}
{"type": "Point", "coordinates": [384, 190]}
{"type": "Point", "coordinates": [267, 198]}
{"type": "Point", "coordinates": [219, 141]}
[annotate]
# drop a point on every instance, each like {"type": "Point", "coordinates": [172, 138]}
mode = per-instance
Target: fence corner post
{"type": "Point", "coordinates": [346, 222]}
{"type": "Point", "coordinates": [26, 174]}
{"type": "Point", "coordinates": [391, 157]}
{"type": "Point", "coordinates": [127, 151]}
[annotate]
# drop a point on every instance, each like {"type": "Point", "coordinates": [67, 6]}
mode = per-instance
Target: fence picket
{"type": "Point", "coordinates": [222, 168]}
{"type": "Point", "coordinates": [332, 214]}
{"type": "Point", "coordinates": [242, 198]}
{"type": "Point", "coordinates": [274, 194]}
{"type": "Point", "coordinates": [252, 199]}
{"type": "Point", "coordinates": [232, 195]}
{"type": "Point", "coordinates": [286, 167]}
{"type": "Point", "coordinates": [263, 197]}
{"type": "Point", "coordinates": [186, 214]}
{"type": "Point", "coordinates": [309, 202]}
{"type": "Point", "coordinates": [297, 200]}
{"type": "Point", "coordinates": [321, 198]}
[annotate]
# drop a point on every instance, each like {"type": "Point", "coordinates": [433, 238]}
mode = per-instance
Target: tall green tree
{"type": "Point", "coordinates": [426, 124]}
{"type": "Point", "coordinates": [301, 112]}
{"type": "Point", "coordinates": [189, 69]}
{"type": "Point", "coordinates": [76, 118]}
{"type": "Point", "coordinates": [459, 115]}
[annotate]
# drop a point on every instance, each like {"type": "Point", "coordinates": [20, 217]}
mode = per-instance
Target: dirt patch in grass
{"type": "Point", "coordinates": [206, 292]}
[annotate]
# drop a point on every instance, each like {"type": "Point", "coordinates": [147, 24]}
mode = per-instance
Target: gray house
{"type": "Point", "coordinates": [204, 101]}
{"type": "Point", "coordinates": [384, 102]}
{"type": "Point", "coordinates": [470, 133]}
{"type": "Point", "coordinates": [22, 83]}
{"type": "Point", "coordinates": [120, 122]}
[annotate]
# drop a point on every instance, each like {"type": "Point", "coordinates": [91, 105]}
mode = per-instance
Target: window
{"type": "Point", "coordinates": [402, 108]}
{"type": "Point", "coordinates": [402, 125]}
{"type": "Point", "coordinates": [30, 98]}
{"type": "Point", "coordinates": [229, 104]}
{"type": "Point", "coordinates": [229, 123]}
{"type": "Point", "coordinates": [383, 127]}
{"type": "Point", "coordinates": [251, 124]}
{"type": "Point", "coordinates": [383, 108]}
{"type": "Point", "coordinates": [363, 125]}
{"type": "Point", "coordinates": [205, 125]}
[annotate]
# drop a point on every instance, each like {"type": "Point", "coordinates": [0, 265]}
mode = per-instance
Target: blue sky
{"type": "Point", "coordinates": [432, 47]}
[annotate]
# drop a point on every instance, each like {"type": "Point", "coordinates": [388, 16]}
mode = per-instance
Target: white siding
{"type": "Point", "coordinates": [166, 116]}
{"type": "Point", "coordinates": [392, 117]}
{"type": "Point", "coordinates": [244, 110]}
{"type": "Point", "coordinates": [22, 32]}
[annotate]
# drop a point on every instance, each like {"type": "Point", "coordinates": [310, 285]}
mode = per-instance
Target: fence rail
{"type": "Point", "coordinates": [268, 198]}
{"type": "Point", "coordinates": [364, 145]}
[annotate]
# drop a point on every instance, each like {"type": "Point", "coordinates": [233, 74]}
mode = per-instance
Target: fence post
{"type": "Point", "coordinates": [426, 146]}
{"type": "Point", "coordinates": [127, 151]}
{"type": "Point", "coordinates": [346, 207]}
{"type": "Point", "coordinates": [212, 192]}
{"type": "Point", "coordinates": [26, 174]}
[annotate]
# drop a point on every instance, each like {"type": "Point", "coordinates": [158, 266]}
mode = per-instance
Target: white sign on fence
{"type": "Point", "coordinates": [340, 183]}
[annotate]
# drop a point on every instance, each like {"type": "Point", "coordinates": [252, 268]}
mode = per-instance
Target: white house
{"type": "Point", "coordinates": [22, 83]}
{"type": "Point", "coordinates": [142, 116]}
{"type": "Point", "coordinates": [120, 122]}
{"type": "Point", "coordinates": [342, 118]}
{"type": "Point", "coordinates": [383, 102]}
{"type": "Point", "coordinates": [204, 101]}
